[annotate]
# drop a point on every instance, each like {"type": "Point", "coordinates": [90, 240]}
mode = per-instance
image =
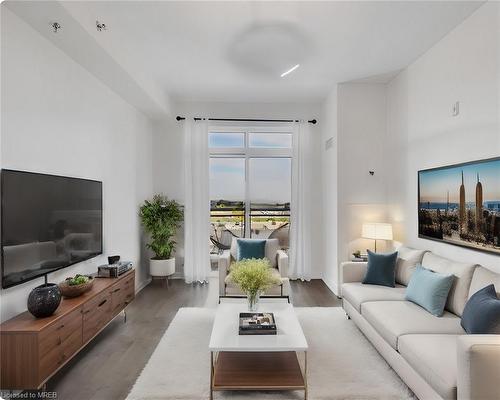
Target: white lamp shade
{"type": "Point", "coordinates": [377, 231]}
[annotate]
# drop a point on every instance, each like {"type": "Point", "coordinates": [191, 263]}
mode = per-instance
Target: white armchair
{"type": "Point", "coordinates": [278, 259]}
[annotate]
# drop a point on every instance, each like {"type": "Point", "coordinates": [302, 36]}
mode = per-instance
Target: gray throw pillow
{"type": "Point", "coordinates": [381, 269]}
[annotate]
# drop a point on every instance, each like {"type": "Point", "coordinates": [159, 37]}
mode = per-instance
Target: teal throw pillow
{"type": "Point", "coordinates": [482, 312]}
{"type": "Point", "coordinates": [250, 248]}
{"type": "Point", "coordinates": [381, 269]}
{"type": "Point", "coordinates": [429, 289]}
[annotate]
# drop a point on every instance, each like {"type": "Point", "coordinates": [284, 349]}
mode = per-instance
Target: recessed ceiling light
{"type": "Point", "coordinates": [290, 70]}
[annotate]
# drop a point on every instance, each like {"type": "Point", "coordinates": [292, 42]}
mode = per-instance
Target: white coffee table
{"type": "Point", "coordinates": [257, 362]}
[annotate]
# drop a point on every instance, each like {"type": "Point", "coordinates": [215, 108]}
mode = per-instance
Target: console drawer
{"type": "Point", "coordinates": [59, 353]}
{"type": "Point", "coordinates": [117, 297]}
{"type": "Point", "coordinates": [96, 313]}
{"type": "Point", "coordinates": [60, 331]}
{"type": "Point", "coordinates": [129, 289]}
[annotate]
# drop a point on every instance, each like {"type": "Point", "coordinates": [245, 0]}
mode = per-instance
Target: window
{"type": "Point", "coordinates": [270, 140]}
{"type": "Point", "coordinates": [269, 193]}
{"type": "Point", "coordinates": [250, 185]}
{"type": "Point", "coordinates": [227, 198]}
{"type": "Point", "coordinates": [226, 140]}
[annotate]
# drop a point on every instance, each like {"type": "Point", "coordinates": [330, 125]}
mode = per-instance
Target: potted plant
{"type": "Point", "coordinates": [161, 218]}
{"type": "Point", "coordinates": [253, 276]}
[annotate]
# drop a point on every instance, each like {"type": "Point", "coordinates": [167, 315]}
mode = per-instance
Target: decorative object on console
{"type": "Point", "coordinates": [113, 270]}
{"type": "Point", "coordinates": [482, 312]}
{"type": "Point", "coordinates": [74, 287]}
{"type": "Point", "coordinates": [381, 269]}
{"type": "Point", "coordinates": [44, 300]}
{"type": "Point", "coordinates": [376, 231]}
{"type": "Point", "coordinates": [429, 289]}
{"type": "Point", "coordinates": [446, 212]}
{"type": "Point", "coordinates": [161, 218]}
{"type": "Point", "coordinates": [113, 259]}
{"type": "Point", "coordinates": [253, 276]}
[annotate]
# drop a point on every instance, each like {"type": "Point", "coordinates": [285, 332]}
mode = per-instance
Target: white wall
{"type": "Point", "coordinates": [57, 118]}
{"type": "Point", "coordinates": [329, 166]}
{"type": "Point", "coordinates": [362, 197]}
{"type": "Point", "coordinates": [168, 150]}
{"type": "Point", "coordinates": [464, 66]}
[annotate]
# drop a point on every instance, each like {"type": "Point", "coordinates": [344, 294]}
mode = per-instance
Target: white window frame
{"type": "Point", "coordinates": [248, 152]}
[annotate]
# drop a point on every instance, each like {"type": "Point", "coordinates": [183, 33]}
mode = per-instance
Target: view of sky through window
{"type": "Point", "coordinates": [226, 139]}
{"type": "Point", "coordinates": [270, 180]}
{"type": "Point", "coordinates": [227, 179]}
{"type": "Point", "coordinates": [270, 140]}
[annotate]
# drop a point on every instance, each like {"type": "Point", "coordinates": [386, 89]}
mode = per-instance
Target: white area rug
{"type": "Point", "coordinates": [342, 364]}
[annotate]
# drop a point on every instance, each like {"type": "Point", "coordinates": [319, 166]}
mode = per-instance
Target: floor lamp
{"type": "Point", "coordinates": [377, 231]}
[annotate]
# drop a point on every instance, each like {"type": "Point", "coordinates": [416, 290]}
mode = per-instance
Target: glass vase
{"type": "Point", "coordinates": [253, 301]}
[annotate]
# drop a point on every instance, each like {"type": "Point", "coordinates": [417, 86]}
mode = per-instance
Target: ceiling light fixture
{"type": "Point", "coordinates": [290, 70]}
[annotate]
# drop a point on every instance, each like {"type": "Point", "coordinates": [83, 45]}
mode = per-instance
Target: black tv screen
{"type": "Point", "coordinates": [48, 222]}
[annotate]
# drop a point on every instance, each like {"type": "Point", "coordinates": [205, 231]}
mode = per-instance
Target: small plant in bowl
{"type": "Point", "coordinates": [253, 276]}
{"type": "Point", "coordinates": [77, 280]}
{"type": "Point", "coordinates": [76, 286]}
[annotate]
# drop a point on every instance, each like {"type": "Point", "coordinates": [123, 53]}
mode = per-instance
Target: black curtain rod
{"type": "Point", "coordinates": [312, 121]}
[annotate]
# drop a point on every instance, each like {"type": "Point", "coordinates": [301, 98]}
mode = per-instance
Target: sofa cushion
{"type": "Point", "coordinates": [272, 247]}
{"type": "Point", "coordinates": [408, 259]}
{"type": "Point", "coordinates": [381, 269]}
{"type": "Point", "coordinates": [463, 272]}
{"type": "Point", "coordinates": [483, 277]}
{"type": "Point", "coordinates": [429, 290]}
{"type": "Point", "coordinates": [434, 357]}
{"type": "Point", "coordinates": [482, 312]}
{"type": "Point", "coordinates": [391, 319]}
{"type": "Point", "coordinates": [357, 293]}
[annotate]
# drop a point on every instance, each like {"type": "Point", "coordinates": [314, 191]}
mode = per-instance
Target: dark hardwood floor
{"type": "Point", "coordinates": [108, 367]}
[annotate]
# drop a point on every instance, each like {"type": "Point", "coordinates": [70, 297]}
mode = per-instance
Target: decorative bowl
{"type": "Point", "coordinates": [68, 290]}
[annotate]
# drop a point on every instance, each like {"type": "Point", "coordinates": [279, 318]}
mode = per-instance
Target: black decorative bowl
{"type": "Point", "coordinates": [44, 300]}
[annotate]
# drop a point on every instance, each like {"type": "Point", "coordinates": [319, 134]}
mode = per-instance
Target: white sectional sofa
{"type": "Point", "coordinates": [434, 356]}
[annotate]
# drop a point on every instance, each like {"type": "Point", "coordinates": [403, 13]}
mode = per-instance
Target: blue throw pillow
{"type": "Point", "coordinates": [250, 248]}
{"type": "Point", "coordinates": [429, 289]}
{"type": "Point", "coordinates": [482, 312]}
{"type": "Point", "coordinates": [381, 269]}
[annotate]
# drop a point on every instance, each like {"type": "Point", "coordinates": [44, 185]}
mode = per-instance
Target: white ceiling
{"type": "Point", "coordinates": [236, 51]}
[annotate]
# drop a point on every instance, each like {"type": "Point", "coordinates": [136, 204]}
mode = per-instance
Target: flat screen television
{"type": "Point", "coordinates": [48, 222]}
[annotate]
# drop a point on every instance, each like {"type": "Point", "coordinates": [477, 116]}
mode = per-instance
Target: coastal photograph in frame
{"type": "Point", "coordinates": [460, 204]}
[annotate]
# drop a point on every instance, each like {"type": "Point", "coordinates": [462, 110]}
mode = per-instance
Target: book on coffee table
{"type": "Point", "coordinates": [257, 324]}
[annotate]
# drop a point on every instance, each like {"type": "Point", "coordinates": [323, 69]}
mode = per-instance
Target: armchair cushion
{"type": "Point", "coordinates": [250, 248]}
{"type": "Point", "coordinates": [271, 249]}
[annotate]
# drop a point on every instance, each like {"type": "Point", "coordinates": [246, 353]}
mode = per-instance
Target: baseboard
{"type": "Point", "coordinates": [142, 285]}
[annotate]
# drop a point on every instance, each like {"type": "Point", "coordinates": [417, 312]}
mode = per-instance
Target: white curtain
{"type": "Point", "coordinates": [196, 202]}
{"type": "Point", "coordinates": [300, 219]}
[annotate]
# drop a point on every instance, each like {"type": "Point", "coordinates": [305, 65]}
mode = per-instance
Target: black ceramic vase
{"type": "Point", "coordinates": [44, 300]}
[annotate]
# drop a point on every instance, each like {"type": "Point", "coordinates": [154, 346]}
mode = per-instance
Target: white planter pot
{"type": "Point", "coordinates": [162, 267]}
